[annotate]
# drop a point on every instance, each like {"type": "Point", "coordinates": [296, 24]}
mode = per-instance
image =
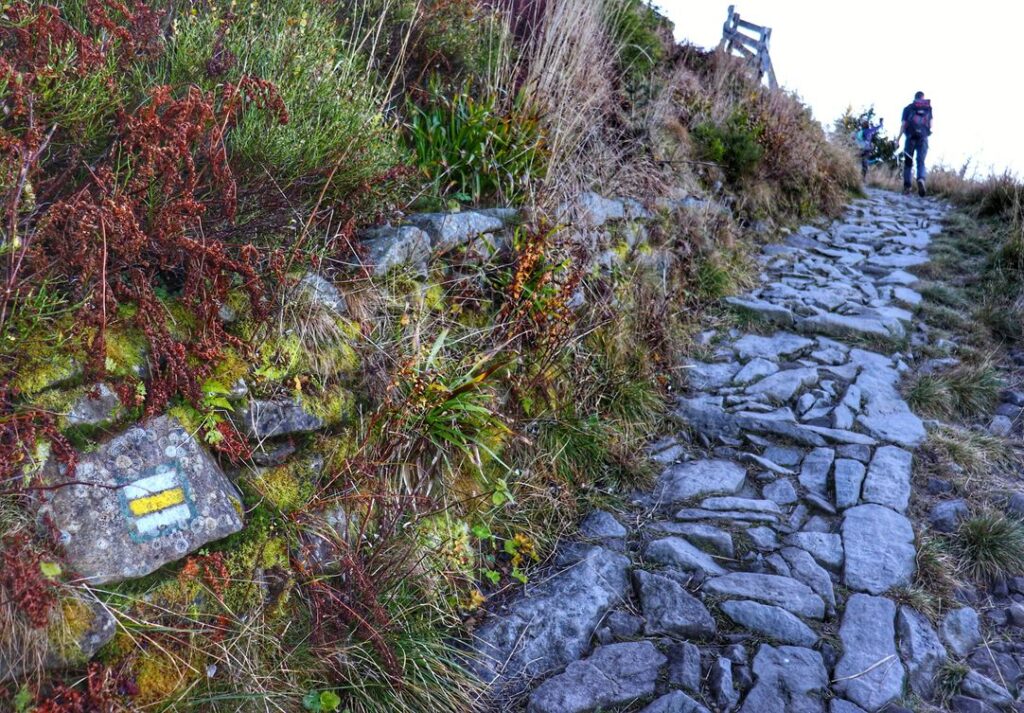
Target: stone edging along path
{"type": "Point", "coordinates": [757, 575]}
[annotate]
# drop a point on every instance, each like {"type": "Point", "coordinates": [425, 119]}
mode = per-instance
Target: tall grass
{"type": "Point", "coordinates": [339, 125]}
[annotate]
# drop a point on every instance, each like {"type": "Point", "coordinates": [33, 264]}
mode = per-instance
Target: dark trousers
{"type": "Point", "coordinates": [915, 145]}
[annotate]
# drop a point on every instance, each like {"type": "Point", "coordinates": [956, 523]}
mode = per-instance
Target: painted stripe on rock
{"type": "Point", "coordinates": [171, 517]}
{"type": "Point", "coordinates": [160, 501]}
{"type": "Point", "coordinates": [165, 479]}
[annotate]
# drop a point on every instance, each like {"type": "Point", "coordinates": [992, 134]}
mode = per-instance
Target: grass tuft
{"type": "Point", "coordinates": [990, 546]}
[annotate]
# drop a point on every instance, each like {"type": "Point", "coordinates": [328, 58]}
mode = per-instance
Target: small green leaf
{"type": "Point", "coordinates": [23, 699]}
{"type": "Point", "coordinates": [311, 702]}
{"type": "Point", "coordinates": [329, 701]}
{"type": "Point", "coordinates": [50, 570]}
{"type": "Point", "coordinates": [492, 576]}
{"type": "Point", "coordinates": [511, 547]}
{"type": "Point", "coordinates": [481, 531]}
{"type": "Point", "coordinates": [518, 574]}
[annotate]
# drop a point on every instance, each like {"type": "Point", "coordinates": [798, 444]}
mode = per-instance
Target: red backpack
{"type": "Point", "coordinates": [919, 123]}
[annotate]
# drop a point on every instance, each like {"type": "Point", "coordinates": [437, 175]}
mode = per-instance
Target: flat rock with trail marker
{"type": "Point", "coordinates": [145, 498]}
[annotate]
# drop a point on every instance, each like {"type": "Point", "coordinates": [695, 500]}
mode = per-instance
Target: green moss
{"type": "Point", "coordinates": [285, 486]}
{"type": "Point", "coordinates": [230, 368]}
{"type": "Point", "coordinates": [44, 370]}
{"type": "Point", "coordinates": [126, 352]}
{"type": "Point", "coordinates": [158, 676]}
{"type": "Point", "coordinates": [433, 297]}
{"type": "Point", "coordinates": [190, 419]}
{"type": "Point", "coordinates": [66, 634]}
{"type": "Point", "coordinates": [334, 407]}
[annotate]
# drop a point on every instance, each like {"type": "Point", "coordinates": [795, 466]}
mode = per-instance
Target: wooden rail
{"type": "Point", "coordinates": [753, 48]}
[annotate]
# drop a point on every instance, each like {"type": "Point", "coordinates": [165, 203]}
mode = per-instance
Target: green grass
{"type": "Point", "coordinates": [968, 391]}
{"type": "Point", "coordinates": [337, 130]}
{"type": "Point", "coordinates": [975, 452]}
{"type": "Point", "coordinates": [990, 546]}
{"type": "Point", "coordinates": [471, 149]}
{"type": "Point", "coordinates": [948, 679]}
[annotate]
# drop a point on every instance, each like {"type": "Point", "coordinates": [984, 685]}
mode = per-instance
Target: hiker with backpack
{"type": "Point", "coordinates": [865, 140]}
{"type": "Point", "coordinates": [917, 125]}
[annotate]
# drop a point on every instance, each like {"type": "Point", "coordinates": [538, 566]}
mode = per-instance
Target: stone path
{"type": "Point", "coordinates": [758, 575]}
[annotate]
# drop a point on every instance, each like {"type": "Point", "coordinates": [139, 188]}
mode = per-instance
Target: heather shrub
{"type": "Point", "coordinates": [734, 145]}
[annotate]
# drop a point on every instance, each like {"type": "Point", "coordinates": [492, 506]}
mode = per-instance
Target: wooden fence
{"type": "Point", "coordinates": [753, 48]}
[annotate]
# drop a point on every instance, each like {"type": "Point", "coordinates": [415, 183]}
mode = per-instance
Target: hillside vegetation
{"type": "Point", "coordinates": [182, 182]}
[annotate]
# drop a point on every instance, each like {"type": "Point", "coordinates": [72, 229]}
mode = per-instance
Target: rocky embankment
{"type": "Point", "coordinates": [762, 573]}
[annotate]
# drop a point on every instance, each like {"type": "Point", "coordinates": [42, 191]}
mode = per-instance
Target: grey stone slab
{"type": "Point", "coordinates": [764, 538]}
{"type": "Point", "coordinates": [767, 311]}
{"type": "Point", "coordinates": [720, 684]}
{"type": "Point", "coordinates": [765, 463]}
{"type": "Point", "coordinates": [684, 670]}
{"type": "Point", "coordinates": [601, 524]}
{"type": "Point", "coordinates": [788, 679]}
{"type": "Point", "coordinates": [869, 673]}
{"type": "Point", "coordinates": [961, 630]}
{"type": "Point", "coordinates": [803, 568]}
{"type": "Point", "coordinates": [755, 370]}
{"type": "Point", "coordinates": [773, 622]}
{"type": "Point", "coordinates": [840, 436]}
{"type": "Point", "coordinates": [920, 649]}
{"type": "Point", "coordinates": [697, 514]}
{"type": "Point", "coordinates": [677, 552]}
{"type": "Point", "coordinates": [147, 497]}
{"type": "Point", "coordinates": [703, 376]}
{"type": "Point", "coordinates": [450, 230]}
{"type": "Point", "coordinates": [782, 386]}
{"type": "Point", "coordinates": [888, 478]}
{"type": "Point", "coordinates": [769, 589]}
{"type": "Point", "coordinates": [552, 624]}
{"type": "Point", "coordinates": [675, 702]}
{"type": "Point", "coordinates": [784, 455]}
{"type": "Point", "coordinates": [826, 548]}
{"type": "Point", "coordinates": [848, 478]}
{"type": "Point", "coordinates": [878, 546]}
{"type": "Point", "coordinates": [685, 481]}
{"type": "Point", "coordinates": [781, 491]}
{"type": "Point", "coordinates": [736, 503]}
{"type": "Point", "coordinates": [389, 248]}
{"type": "Point", "coordinates": [985, 689]}
{"type": "Point", "coordinates": [815, 469]}
{"type": "Point", "coordinates": [265, 419]}
{"type": "Point", "coordinates": [671, 610]}
{"type": "Point", "coordinates": [780, 345]}
{"type": "Point", "coordinates": [316, 290]}
{"type": "Point", "coordinates": [612, 675]}
{"type": "Point", "coordinates": [707, 537]}
{"type": "Point", "coordinates": [98, 406]}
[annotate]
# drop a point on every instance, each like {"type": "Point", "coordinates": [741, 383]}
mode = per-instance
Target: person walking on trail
{"type": "Point", "coordinates": [917, 125]}
{"type": "Point", "coordinates": [865, 139]}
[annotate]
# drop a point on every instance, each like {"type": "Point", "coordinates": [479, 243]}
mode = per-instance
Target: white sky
{"type": "Point", "coordinates": [965, 56]}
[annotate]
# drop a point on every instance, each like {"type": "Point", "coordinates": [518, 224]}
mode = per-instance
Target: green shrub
{"type": "Point", "coordinates": [471, 150]}
{"type": "Point", "coordinates": [733, 145]}
{"type": "Point", "coordinates": [335, 102]}
{"type": "Point", "coordinates": [633, 27]}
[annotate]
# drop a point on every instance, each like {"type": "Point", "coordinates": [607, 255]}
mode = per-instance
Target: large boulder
{"type": "Point", "coordinates": [147, 497]}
